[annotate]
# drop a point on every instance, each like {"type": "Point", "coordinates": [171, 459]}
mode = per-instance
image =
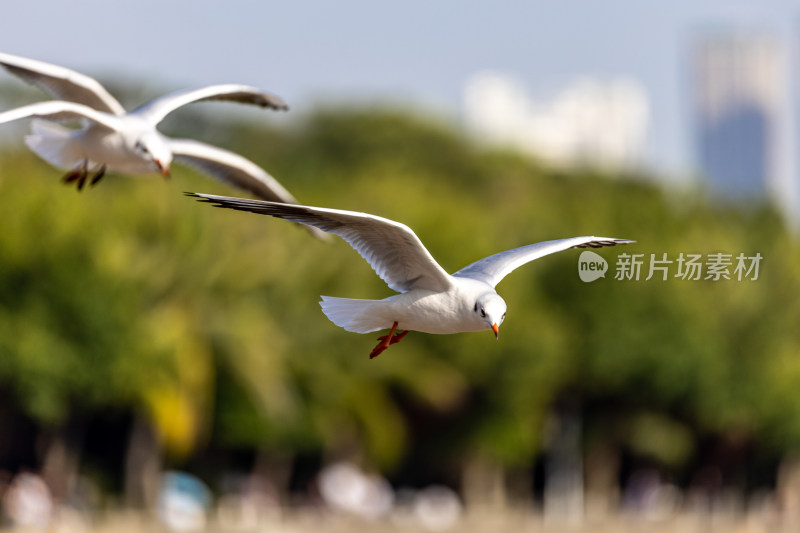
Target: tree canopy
{"type": "Point", "coordinates": [207, 321]}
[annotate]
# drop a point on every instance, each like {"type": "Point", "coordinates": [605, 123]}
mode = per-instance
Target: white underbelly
{"type": "Point", "coordinates": [431, 312]}
{"type": "Point", "coordinates": [109, 149]}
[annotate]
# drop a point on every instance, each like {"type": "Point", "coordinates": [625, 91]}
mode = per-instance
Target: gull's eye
{"type": "Point", "coordinates": [141, 147]}
{"type": "Point", "coordinates": [483, 313]}
{"type": "Point", "coordinates": [503, 317]}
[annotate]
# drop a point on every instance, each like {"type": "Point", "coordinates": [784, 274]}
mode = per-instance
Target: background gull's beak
{"type": "Point", "coordinates": [164, 169]}
{"type": "Point", "coordinates": [495, 329]}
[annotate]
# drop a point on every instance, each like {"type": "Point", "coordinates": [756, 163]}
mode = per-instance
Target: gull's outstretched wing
{"type": "Point", "coordinates": [62, 83]}
{"type": "Point", "coordinates": [234, 170]}
{"type": "Point", "coordinates": [390, 248]}
{"type": "Point", "coordinates": [155, 111]}
{"type": "Point", "coordinates": [494, 268]}
{"type": "Point", "coordinates": [61, 111]}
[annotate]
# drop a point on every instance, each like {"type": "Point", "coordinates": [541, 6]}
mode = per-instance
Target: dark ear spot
{"type": "Point", "coordinates": [476, 307]}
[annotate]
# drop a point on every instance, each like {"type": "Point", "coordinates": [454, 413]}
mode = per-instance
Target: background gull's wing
{"type": "Point", "coordinates": [62, 83]}
{"type": "Point", "coordinates": [391, 248]}
{"type": "Point", "coordinates": [61, 111]}
{"type": "Point", "coordinates": [234, 170]}
{"type": "Point", "coordinates": [155, 110]}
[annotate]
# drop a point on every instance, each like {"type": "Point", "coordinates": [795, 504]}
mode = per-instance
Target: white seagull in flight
{"type": "Point", "coordinates": [128, 142]}
{"type": "Point", "coordinates": [430, 299]}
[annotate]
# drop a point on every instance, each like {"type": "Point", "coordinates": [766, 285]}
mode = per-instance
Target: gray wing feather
{"type": "Point", "coordinates": [234, 170]}
{"type": "Point", "coordinates": [494, 268]}
{"type": "Point", "coordinates": [155, 111]}
{"type": "Point", "coordinates": [62, 83]}
{"type": "Point", "coordinates": [230, 168]}
{"type": "Point", "coordinates": [391, 248]}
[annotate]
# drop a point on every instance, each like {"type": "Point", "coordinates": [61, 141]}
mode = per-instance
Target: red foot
{"type": "Point", "coordinates": [387, 340]}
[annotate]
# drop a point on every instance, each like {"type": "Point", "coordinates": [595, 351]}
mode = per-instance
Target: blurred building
{"type": "Point", "coordinates": [742, 115]}
{"type": "Point", "coordinates": [588, 122]}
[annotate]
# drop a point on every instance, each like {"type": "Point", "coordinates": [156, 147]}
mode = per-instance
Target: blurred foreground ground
{"type": "Point", "coordinates": [477, 521]}
{"type": "Point", "coordinates": [344, 499]}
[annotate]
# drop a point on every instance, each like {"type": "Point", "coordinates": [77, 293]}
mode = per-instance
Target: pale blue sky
{"type": "Point", "coordinates": [418, 51]}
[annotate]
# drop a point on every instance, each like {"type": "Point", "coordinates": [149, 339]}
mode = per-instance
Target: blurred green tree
{"type": "Point", "coordinates": [204, 323]}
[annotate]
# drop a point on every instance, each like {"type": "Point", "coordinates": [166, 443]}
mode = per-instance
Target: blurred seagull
{"type": "Point", "coordinates": [430, 299]}
{"type": "Point", "coordinates": [115, 140]}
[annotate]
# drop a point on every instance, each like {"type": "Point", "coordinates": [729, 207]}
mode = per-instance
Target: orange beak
{"type": "Point", "coordinates": [495, 329]}
{"type": "Point", "coordinates": [164, 170]}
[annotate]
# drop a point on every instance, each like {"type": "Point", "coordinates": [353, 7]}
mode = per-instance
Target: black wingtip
{"type": "Point", "coordinates": [604, 242]}
{"type": "Point", "coordinates": [273, 102]}
{"type": "Point", "coordinates": [201, 198]}
{"type": "Point", "coordinates": [195, 195]}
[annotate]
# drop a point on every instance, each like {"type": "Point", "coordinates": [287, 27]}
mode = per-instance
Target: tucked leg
{"type": "Point", "coordinates": [72, 175]}
{"type": "Point", "coordinates": [397, 337]}
{"type": "Point", "coordinates": [387, 340]}
{"type": "Point", "coordinates": [77, 175]}
{"type": "Point", "coordinates": [98, 176]}
{"type": "Point", "coordinates": [82, 180]}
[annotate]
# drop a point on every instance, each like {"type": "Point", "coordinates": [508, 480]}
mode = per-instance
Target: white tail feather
{"type": "Point", "coordinates": [353, 314]}
{"type": "Point", "coordinates": [50, 141]}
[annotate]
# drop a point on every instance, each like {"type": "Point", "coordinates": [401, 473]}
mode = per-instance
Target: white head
{"type": "Point", "coordinates": [491, 309]}
{"type": "Point", "coordinates": [151, 146]}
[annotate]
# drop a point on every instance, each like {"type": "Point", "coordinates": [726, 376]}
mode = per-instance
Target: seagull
{"type": "Point", "coordinates": [430, 300]}
{"type": "Point", "coordinates": [128, 142]}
